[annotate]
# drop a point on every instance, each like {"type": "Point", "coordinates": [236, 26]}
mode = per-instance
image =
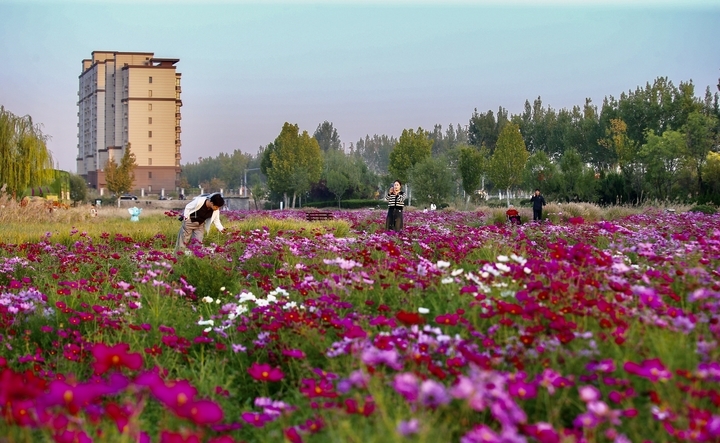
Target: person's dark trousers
{"type": "Point", "coordinates": [537, 214]}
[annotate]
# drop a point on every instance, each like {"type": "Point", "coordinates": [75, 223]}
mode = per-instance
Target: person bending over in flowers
{"type": "Point", "coordinates": [395, 198]}
{"type": "Point", "coordinates": [197, 217]}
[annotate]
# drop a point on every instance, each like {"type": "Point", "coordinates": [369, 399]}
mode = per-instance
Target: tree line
{"type": "Point", "coordinates": [658, 142]}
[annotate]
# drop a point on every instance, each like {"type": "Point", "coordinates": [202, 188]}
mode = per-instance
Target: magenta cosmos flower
{"type": "Point", "coordinates": [264, 372]}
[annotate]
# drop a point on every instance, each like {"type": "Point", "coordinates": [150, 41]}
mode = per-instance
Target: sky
{"type": "Point", "coordinates": [368, 67]}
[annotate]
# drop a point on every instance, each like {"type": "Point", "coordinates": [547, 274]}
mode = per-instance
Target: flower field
{"type": "Point", "coordinates": [448, 331]}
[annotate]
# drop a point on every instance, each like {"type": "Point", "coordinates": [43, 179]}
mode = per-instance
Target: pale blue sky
{"type": "Point", "coordinates": [369, 68]}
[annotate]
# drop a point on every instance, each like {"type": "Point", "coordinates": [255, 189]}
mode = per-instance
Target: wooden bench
{"type": "Point", "coordinates": [318, 215]}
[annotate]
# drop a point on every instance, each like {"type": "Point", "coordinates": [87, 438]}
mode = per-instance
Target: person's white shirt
{"type": "Point", "coordinates": [196, 204]}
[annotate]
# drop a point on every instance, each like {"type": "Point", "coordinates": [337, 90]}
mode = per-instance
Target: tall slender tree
{"type": "Point", "coordinates": [508, 160]}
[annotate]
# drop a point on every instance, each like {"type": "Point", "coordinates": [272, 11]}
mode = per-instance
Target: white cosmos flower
{"type": "Point", "coordinates": [222, 289]}
{"type": "Point", "coordinates": [208, 329]}
{"type": "Point", "coordinates": [206, 322]}
{"type": "Point", "coordinates": [207, 299]}
{"type": "Point", "coordinates": [246, 296]}
{"type": "Point", "coordinates": [503, 258]}
{"type": "Point", "coordinates": [527, 270]}
{"type": "Point", "coordinates": [502, 267]}
{"type": "Point", "coordinates": [457, 272]}
{"type": "Point", "coordinates": [518, 259]}
{"type": "Point", "coordinates": [441, 264]}
{"type": "Point", "coordinates": [447, 280]}
{"type": "Point", "coordinates": [423, 310]}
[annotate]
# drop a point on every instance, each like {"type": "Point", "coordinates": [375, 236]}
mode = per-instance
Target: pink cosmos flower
{"type": "Point", "coordinates": [264, 372]}
{"type": "Point", "coordinates": [481, 434]}
{"type": "Point", "coordinates": [589, 393]}
{"type": "Point", "coordinates": [652, 369]}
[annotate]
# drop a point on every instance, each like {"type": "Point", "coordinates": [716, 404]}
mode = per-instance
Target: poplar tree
{"type": "Point", "coordinates": [508, 161]}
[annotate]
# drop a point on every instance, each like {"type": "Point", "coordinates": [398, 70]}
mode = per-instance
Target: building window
{"type": "Point", "coordinates": [149, 148]}
{"type": "Point", "coordinates": [149, 162]}
{"type": "Point", "coordinates": [149, 106]}
{"type": "Point", "coordinates": [149, 92]}
{"type": "Point", "coordinates": [149, 134]}
{"type": "Point", "coordinates": [149, 79]}
{"type": "Point", "coordinates": [149, 120]}
{"type": "Point", "coordinates": [149, 174]}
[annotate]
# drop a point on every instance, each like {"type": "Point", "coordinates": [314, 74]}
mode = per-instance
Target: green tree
{"type": "Point", "coordinates": [120, 178]}
{"type": "Point", "coordinates": [484, 128]}
{"type": "Point", "coordinates": [508, 161]}
{"type": "Point", "coordinates": [292, 163]}
{"type": "Point", "coordinates": [341, 174]}
{"type": "Point", "coordinates": [711, 173]}
{"type": "Point", "coordinates": [577, 181]}
{"type": "Point", "coordinates": [327, 137]}
{"type": "Point", "coordinates": [432, 181]}
{"type": "Point", "coordinates": [700, 138]}
{"type": "Point", "coordinates": [25, 160]}
{"type": "Point", "coordinates": [230, 168]}
{"type": "Point", "coordinates": [538, 170]}
{"type": "Point", "coordinates": [375, 152]}
{"type": "Point", "coordinates": [663, 156]}
{"type": "Point", "coordinates": [472, 166]}
{"type": "Point", "coordinates": [258, 192]}
{"type": "Point", "coordinates": [412, 148]}
{"type": "Point", "coordinates": [78, 188]}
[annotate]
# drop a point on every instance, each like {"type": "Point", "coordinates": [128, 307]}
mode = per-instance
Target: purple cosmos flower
{"type": "Point", "coordinates": [410, 427]}
{"type": "Point", "coordinates": [407, 385]}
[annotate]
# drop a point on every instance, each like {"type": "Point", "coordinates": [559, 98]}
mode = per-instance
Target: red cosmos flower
{"type": "Point", "coordinates": [264, 372]}
{"type": "Point", "coordinates": [352, 406]}
{"type": "Point", "coordinates": [409, 318]}
{"type": "Point", "coordinates": [176, 437]}
{"type": "Point", "coordinates": [292, 435]}
{"type": "Point", "coordinates": [115, 357]}
{"type": "Point", "coordinates": [312, 388]}
{"type": "Point", "coordinates": [447, 319]}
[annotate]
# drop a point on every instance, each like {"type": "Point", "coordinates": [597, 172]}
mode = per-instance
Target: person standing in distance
{"type": "Point", "coordinates": [199, 214]}
{"type": "Point", "coordinates": [395, 199]}
{"type": "Point", "coordinates": [538, 201]}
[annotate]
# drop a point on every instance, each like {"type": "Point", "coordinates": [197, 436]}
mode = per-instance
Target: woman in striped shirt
{"type": "Point", "coordinates": [395, 198]}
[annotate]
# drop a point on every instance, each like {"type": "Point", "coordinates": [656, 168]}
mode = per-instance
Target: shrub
{"type": "Point", "coordinates": [705, 209]}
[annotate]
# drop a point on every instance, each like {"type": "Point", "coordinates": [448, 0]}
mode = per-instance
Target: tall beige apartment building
{"type": "Point", "coordinates": [130, 99]}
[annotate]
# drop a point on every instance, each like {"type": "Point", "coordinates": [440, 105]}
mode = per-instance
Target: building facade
{"type": "Point", "coordinates": [130, 99]}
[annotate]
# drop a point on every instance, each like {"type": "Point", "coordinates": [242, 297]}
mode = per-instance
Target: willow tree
{"type": "Point", "coordinates": [25, 160]}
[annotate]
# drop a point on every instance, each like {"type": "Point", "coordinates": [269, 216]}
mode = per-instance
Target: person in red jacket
{"type": "Point", "coordinates": [513, 216]}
